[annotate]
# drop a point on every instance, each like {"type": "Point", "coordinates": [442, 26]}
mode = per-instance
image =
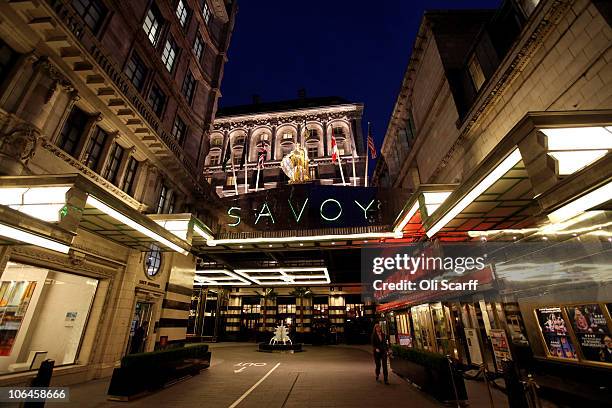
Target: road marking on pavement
{"type": "Point", "coordinates": [243, 396]}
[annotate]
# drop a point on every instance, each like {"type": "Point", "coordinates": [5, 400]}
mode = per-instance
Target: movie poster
{"type": "Point", "coordinates": [554, 330]}
{"type": "Point", "coordinates": [592, 332]}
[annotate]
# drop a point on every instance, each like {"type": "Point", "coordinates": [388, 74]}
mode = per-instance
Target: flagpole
{"type": "Point", "coordinates": [246, 165]}
{"type": "Point", "coordinates": [354, 176]}
{"type": "Point", "coordinates": [341, 171]}
{"type": "Point", "coordinates": [367, 159]}
{"type": "Point", "coordinates": [257, 180]}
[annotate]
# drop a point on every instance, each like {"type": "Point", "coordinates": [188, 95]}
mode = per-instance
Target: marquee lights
{"type": "Point", "coordinates": [314, 238]}
{"type": "Point", "coordinates": [287, 276]}
{"type": "Point", "coordinates": [507, 164]}
{"type": "Point", "coordinates": [111, 212]}
{"type": "Point", "coordinates": [29, 238]}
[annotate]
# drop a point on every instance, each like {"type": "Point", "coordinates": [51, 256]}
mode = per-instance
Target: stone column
{"type": "Point", "coordinates": [141, 180]}
{"type": "Point", "coordinates": [273, 144]}
{"type": "Point", "coordinates": [324, 139]}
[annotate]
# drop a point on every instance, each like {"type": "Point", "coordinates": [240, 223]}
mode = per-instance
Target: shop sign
{"type": "Point", "coordinates": [592, 332]}
{"type": "Point", "coordinates": [405, 340]}
{"type": "Point", "coordinates": [554, 332]}
{"type": "Point", "coordinates": [501, 349]}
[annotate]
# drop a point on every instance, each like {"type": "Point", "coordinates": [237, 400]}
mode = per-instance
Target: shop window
{"type": "Point", "coordinates": [7, 60]}
{"type": "Point", "coordinates": [94, 148]}
{"type": "Point", "coordinates": [286, 309]}
{"type": "Point", "coordinates": [188, 88]}
{"type": "Point", "coordinates": [152, 24]}
{"type": "Point", "coordinates": [476, 73]}
{"type": "Point", "coordinates": [136, 71]}
{"type": "Point", "coordinates": [179, 129]}
{"type": "Point", "coordinates": [92, 12]}
{"type": "Point", "coordinates": [112, 165]}
{"type": "Point", "coordinates": [198, 47]}
{"type": "Point", "coordinates": [320, 310]}
{"type": "Point", "coordinates": [182, 13]}
{"type": "Point", "coordinates": [169, 53]}
{"type": "Point", "coordinates": [42, 316]}
{"type": "Point", "coordinates": [72, 131]}
{"type": "Point", "coordinates": [130, 175]}
{"type": "Point", "coordinates": [153, 261]}
{"type": "Point", "coordinates": [251, 309]}
{"type": "Point", "coordinates": [157, 100]}
{"type": "Point", "coordinates": [354, 310]}
{"type": "Point", "coordinates": [206, 13]}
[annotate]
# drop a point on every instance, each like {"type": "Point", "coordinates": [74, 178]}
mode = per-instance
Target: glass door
{"type": "Point", "coordinates": [140, 326]}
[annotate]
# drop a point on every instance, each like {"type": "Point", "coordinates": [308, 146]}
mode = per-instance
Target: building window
{"type": "Point", "coordinates": [229, 181]}
{"type": "Point", "coordinates": [91, 11]}
{"type": "Point", "coordinates": [152, 24]}
{"type": "Point", "coordinates": [189, 84]}
{"type": "Point", "coordinates": [47, 308]}
{"type": "Point", "coordinates": [206, 14]}
{"type": "Point", "coordinates": [182, 13]}
{"type": "Point", "coordinates": [338, 131]}
{"type": "Point", "coordinates": [130, 175]}
{"type": "Point", "coordinates": [112, 165]}
{"type": "Point", "coordinates": [169, 54]}
{"type": "Point", "coordinates": [354, 310]}
{"type": "Point", "coordinates": [476, 73]}
{"type": "Point", "coordinates": [341, 149]}
{"type": "Point", "coordinates": [94, 149]}
{"type": "Point", "coordinates": [136, 71]}
{"type": "Point", "coordinates": [153, 260]}
{"type": "Point", "coordinates": [312, 171]}
{"type": "Point", "coordinates": [215, 160]}
{"type": "Point", "coordinates": [7, 59]}
{"type": "Point", "coordinates": [179, 129]}
{"type": "Point", "coordinates": [216, 142]}
{"type": "Point", "coordinates": [162, 200]}
{"type": "Point", "coordinates": [171, 203]}
{"type": "Point", "coordinates": [312, 133]}
{"type": "Point", "coordinates": [287, 136]}
{"type": "Point", "coordinates": [313, 152]}
{"type": "Point", "coordinates": [286, 309]}
{"type": "Point", "coordinates": [72, 131]}
{"type": "Point", "coordinates": [198, 47]}
{"type": "Point", "coordinates": [157, 100]}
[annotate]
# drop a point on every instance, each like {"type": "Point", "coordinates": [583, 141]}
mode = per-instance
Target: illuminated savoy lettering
{"type": "Point", "coordinates": [237, 216]}
{"type": "Point", "coordinates": [365, 209]}
{"type": "Point", "coordinates": [297, 217]}
{"type": "Point", "coordinates": [268, 213]}
{"type": "Point", "coordinates": [331, 200]}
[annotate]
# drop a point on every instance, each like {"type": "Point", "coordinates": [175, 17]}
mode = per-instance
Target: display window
{"type": "Point", "coordinates": [555, 334]}
{"type": "Point", "coordinates": [43, 314]}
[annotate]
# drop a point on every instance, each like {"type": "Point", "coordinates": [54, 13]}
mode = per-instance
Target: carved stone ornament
{"type": "Point", "coordinates": [20, 142]}
{"type": "Point", "coordinates": [56, 76]}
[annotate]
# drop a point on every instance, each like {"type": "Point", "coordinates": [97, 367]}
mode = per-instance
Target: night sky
{"type": "Point", "coordinates": [355, 49]}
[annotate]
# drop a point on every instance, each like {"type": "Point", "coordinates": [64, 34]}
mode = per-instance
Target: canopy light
{"type": "Point", "coordinates": [219, 277]}
{"type": "Point", "coordinates": [507, 164]}
{"type": "Point", "coordinates": [282, 240]}
{"type": "Point", "coordinates": [94, 202]}
{"type": "Point", "coordinates": [433, 200]}
{"type": "Point", "coordinates": [179, 228]}
{"type": "Point", "coordinates": [287, 276]}
{"type": "Point", "coordinates": [400, 227]}
{"type": "Point", "coordinates": [201, 232]}
{"type": "Point", "coordinates": [43, 203]}
{"type": "Point", "coordinates": [584, 203]}
{"type": "Point", "coordinates": [576, 148]}
{"type": "Point", "coordinates": [29, 238]}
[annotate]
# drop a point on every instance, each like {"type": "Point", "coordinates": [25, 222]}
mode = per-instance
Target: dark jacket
{"type": "Point", "coordinates": [383, 345]}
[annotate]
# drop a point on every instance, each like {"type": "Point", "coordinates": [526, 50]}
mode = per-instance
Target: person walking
{"type": "Point", "coordinates": [380, 345]}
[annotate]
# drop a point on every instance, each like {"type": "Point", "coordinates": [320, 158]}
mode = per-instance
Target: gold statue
{"type": "Point", "coordinates": [295, 165]}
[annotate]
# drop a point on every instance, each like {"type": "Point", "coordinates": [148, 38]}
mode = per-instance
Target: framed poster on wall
{"type": "Point", "coordinates": [592, 331]}
{"type": "Point", "coordinates": [555, 334]}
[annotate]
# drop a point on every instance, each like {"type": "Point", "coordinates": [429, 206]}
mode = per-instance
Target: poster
{"type": "Point", "coordinates": [471, 336]}
{"type": "Point", "coordinates": [501, 349]}
{"type": "Point", "coordinates": [405, 340]}
{"type": "Point", "coordinates": [555, 333]}
{"type": "Point", "coordinates": [592, 332]}
{"type": "Point", "coordinates": [15, 298]}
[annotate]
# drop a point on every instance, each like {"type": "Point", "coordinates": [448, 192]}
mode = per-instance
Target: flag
{"type": "Point", "coordinates": [262, 157]}
{"type": "Point", "coordinates": [245, 148]}
{"type": "Point", "coordinates": [227, 155]}
{"type": "Point", "coordinates": [371, 143]}
{"type": "Point", "coordinates": [335, 151]}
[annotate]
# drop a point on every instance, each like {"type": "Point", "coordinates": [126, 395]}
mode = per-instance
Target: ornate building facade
{"type": "Point", "coordinates": [279, 127]}
{"type": "Point", "coordinates": [103, 110]}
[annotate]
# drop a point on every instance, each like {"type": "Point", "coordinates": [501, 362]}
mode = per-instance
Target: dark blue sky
{"type": "Point", "coordinates": [355, 49]}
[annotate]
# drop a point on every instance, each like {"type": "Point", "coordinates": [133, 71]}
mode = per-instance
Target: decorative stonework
{"type": "Point", "coordinates": [56, 76]}
{"type": "Point", "coordinates": [53, 260]}
{"type": "Point", "coordinates": [20, 142]}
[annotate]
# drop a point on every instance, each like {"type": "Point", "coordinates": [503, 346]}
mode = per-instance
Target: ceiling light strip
{"type": "Point", "coordinates": [507, 164]}
{"type": "Point", "coordinates": [400, 227]}
{"type": "Point", "coordinates": [94, 202]}
{"type": "Point", "coordinates": [584, 203]}
{"type": "Point", "coordinates": [29, 238]}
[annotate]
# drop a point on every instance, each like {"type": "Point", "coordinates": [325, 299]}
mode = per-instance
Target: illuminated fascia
{"type": "Point", "coordinates": [507, 164]}
{"type": "Point", "coordinates": [29, 238]}
{"type": "Point", "coordinates": [177, 227]}
{"type": "Point", "coordinates": [228, 278]}
{"type": "Point", "coordinates": [202, 233]}
{"type": "Point", "coordinates": [578, 138]}
{"type": "Point", "coordinates": [434, 199]}
{"type": "Point", "coordinates": [400, 227]}
{"type": "Point", "coordinates": [486, 233]}
{"type": "Point", "coordinates": [94, 202]}
{"type": "Point", "coordinates": [43, 203]}
{"type": "Point", "coordinates": [281, 240]}
{"type": "Point", "coordinates": [283, 276]}
{"type": "Point", "coordinates": [571, 161]}
{"type": "Point", "coordinates": [584, 203]}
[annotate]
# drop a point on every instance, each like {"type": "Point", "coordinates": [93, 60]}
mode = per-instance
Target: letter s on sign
{"type": "Point", "coordinates": [237, 216]}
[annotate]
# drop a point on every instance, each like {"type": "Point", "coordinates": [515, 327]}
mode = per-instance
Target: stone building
{"type": "Point", "coordinates": [502, 132]}
{"type": "Point", "coordinates": [279, 127]}
{"type": "Point", "coordinates": [103, 111]}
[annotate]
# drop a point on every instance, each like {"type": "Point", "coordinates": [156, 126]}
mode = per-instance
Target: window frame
{"type": "Point", "coordinates": [155, 25]}
{"type": "Point", "coordinates": [65, 138]}
{"type": "Point", "coordinates": [189, 86]}
{"type": "Point", "coordinates": [111, 172]}
{"type": "Point", "coordinates": [92, 143]}
{"type": "Point", "coordinates": [181, 137]}
{"type": "Point", "coordinates": [145, 70]}
{"type": "Point", "coordinates": [476, 73]}
{"type": "Point", "coordinates": [97, 25]}
{"type": "Point", "coordinates": [170, 53]}
{"type": "Point", "coordinates": [199, 52]}
{"type": "Point", "coordinates": [129, 177]}
{"type": "Point", "coordinates": [156, 89]}
{"type": "Point", "coordinates": [162, 199]}
{"type": "Point", "coordinates": [206, 11]}
{"type": "Point", "coordinates": [182, 15]}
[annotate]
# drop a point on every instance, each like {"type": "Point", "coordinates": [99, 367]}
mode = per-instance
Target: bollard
{"type": "Point", "coordinates": [42, 379]}
{"type": "Point", "coordinates": [515, 389]}
{"type": "Point", "coordinates": [452, 375]}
